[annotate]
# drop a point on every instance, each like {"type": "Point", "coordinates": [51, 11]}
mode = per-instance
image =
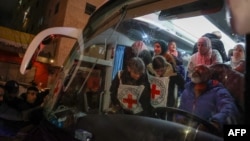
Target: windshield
{"type": "Point", "coordinates": [107, 54]}
{"type": "Point", "coordinates": [162, 69]}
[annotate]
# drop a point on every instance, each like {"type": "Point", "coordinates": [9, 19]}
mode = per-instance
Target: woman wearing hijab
{"type": "Point", "coordinates": [237, 61]}
{"type": "Point", "coordinates": [205, 55]}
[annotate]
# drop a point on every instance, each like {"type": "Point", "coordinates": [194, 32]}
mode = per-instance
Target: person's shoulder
{"type": "Point", "coordinates": [217, 42]}
{"type": "Point", "coordinates": [215, 52]}
{"type": "Point", "coordinates": [193, 56]}
{"type": "Point", "coordinates": [217, 86]}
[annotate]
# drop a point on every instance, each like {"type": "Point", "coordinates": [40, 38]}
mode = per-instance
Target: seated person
{"type": "Point", "coordinates": [130, 90]}
{"type": "Point", "coordinates": [208, 99]}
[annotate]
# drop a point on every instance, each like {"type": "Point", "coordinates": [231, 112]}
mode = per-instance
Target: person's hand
{"type": "Point", "coordinates": [113, 109]}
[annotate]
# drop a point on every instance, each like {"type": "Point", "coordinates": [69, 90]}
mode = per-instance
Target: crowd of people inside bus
{"type": "Point", "coordinates": [154, 79]}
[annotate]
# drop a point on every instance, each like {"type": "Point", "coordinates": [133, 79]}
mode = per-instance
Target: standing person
{"type": "Point", "coordinates": [161, 48]}
{"type": "Point", "coordinates": [217, 44]}
{"type": "Point", "coordinates": [130, 90]}
{"type": "Point", "coordinates": [237, 61]}
{"type": "Point", "coordinates": [163, 92]}
{"type": "Point", "coordinates": [208, 99]}
{"type": "Point", "coordinates": [172, 49]}
{"type": "Point", "coordinates": [205, 55]}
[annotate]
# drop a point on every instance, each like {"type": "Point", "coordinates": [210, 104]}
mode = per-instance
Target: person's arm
{"type": "Point", "coordinates": [225, 106]}
{"type": "Point", "coordinates": [145, 99]}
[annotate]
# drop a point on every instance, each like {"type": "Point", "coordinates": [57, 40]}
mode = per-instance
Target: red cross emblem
{"type": "Point", "coordinates": [129, 100]}
{"type": "Point", "coordinates": [154, 91]}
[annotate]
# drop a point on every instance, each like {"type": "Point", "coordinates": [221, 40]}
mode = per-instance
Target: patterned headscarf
{"type": "Point", "coordinates": [205, 58]}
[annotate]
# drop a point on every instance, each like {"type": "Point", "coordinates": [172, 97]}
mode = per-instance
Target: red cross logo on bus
{"type": "Point", "coordinates": [129, 100]}
{"type": "Point", "coordinates": [154, 91]}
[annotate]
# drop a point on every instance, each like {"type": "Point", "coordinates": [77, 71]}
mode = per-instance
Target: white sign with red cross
{"type": "Point", "coordinates": [128, 96]}
{"type": "Point", "coordinates": [159, 91]}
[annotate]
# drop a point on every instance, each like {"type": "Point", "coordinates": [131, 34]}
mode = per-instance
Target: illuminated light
{"type": "Point", "coordinates": [145, 36]}
{"type": "Point", "coordinates": [187, 131]}
{"type": "Point", "coordinates": [51, 61]}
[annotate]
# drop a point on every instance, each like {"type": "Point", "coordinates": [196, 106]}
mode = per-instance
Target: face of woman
{"type": "Point", "coordinates": [238, 52]}
{"type": "Point", "coordinates": [157, 49]}
{"type": "Point", "coordinates": [160, 72]}
{"type": "Point", "coordinates": [202, 47]}
{"type": "Point", "coordinates": [135, 75]}
{"type": "Point", "coordinates": [172, 46]}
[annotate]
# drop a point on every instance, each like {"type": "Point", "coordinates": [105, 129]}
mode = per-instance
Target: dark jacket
{"type": "Point", "coordinates": [216, 44]}
{"type": "Point", "coordinates": [216, 104]}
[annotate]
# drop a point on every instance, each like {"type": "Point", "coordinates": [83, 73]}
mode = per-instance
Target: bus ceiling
{"type": "Point", "coordinates": [122, 10]}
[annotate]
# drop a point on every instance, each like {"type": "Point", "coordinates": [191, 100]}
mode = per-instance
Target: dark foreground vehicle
{"type": "Point", "coordinates": [69, 114]}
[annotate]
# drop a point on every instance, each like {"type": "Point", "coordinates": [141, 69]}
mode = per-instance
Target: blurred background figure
{"type": "Point", "coordinates": [172, 49]}
{"type": "Point", "coordinates": [237, 61]}
{"type": "Point", "coordinates": [12, 91]}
